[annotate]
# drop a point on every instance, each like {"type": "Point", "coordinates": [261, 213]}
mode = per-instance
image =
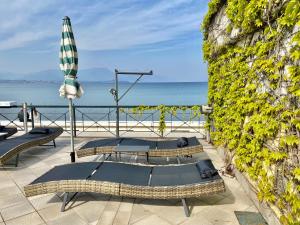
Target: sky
{"type": "Point", "coordinates": [130, 35]}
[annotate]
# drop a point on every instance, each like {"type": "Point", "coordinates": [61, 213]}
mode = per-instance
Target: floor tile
{"type": "Point", "coordinates": [152, 220]}
{"type": "Point", "coordinates": [29, 219]}
{"type": "Point", "coordinates": [17, 210]}
{"type": "Point", "coordinates": [67, 219]}
{"type": "Point", "coordinates": [110, 211]}
{"type": "Point", "coordinates": [43, 201]}
{"type": "Point", "coordinates": [124, 212]}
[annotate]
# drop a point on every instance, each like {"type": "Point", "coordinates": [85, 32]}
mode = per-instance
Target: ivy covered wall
{"type": "Point", "coordinates": [253, 51]}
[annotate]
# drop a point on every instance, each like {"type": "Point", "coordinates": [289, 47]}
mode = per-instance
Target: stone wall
{"type": "Point", "coordinates": [253, 51]}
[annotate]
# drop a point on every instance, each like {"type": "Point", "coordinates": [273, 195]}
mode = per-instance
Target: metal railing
{"type": "Point", "coordinates": [88, 119]}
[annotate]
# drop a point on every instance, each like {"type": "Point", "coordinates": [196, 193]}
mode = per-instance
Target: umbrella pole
{"type": "Point", "coordinates": [72, 154]}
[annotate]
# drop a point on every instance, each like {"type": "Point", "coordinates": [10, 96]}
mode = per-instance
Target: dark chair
{"type": "Point", "coordinates": [165, 148]}
{"type": "Point", "coordinates": [129, 180]}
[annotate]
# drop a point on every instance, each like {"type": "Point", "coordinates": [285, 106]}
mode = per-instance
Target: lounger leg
{"type": "Point", "coordinates": [108, 157]}
{"type": "Point", "coordinates": [64, 202]}
{"type": "Point", "coordinates": [17, 160]}
{"type": "Point", "coordinates": [185, 207]}
{"type": "Point", "coordinates": [54, 144]}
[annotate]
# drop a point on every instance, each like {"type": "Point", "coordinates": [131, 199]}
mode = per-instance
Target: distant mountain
{"type": "Point", "coordinates": [7, 76]}
{"type": "Point", "coordinates": [104, 75]}
{"type": "Point", "coordinates": [92, 74]}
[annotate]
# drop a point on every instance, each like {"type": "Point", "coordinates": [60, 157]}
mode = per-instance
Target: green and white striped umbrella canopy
{"type": "Point", "coordinates": [69, 62]}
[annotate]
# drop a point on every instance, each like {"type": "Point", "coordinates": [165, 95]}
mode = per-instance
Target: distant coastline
{"type": "Point", "coordinates": [103, 75]}
{"type": "Point", "coordinates": [104, 82]}
{"type": "Point", "coordinates": [55, 81]}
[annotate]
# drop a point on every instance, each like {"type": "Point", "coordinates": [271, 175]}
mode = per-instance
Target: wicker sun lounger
{"type": "Point", "coordinates": [130, 180]}
{"type": "Point", "coordinates": [166, 148]}
{"type": "Point", "coordinates": [6, 132]}
{"type": "Point", "coordinates": [14, 146]}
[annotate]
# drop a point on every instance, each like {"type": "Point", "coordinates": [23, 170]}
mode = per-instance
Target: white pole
{"type": "Point", "coordinates": [25, 117]}
{"type": "Point", "coordinates": [72, 154]}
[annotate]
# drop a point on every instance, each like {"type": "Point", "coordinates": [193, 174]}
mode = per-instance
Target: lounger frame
{"type": "Point", "coordinates": [189, 150]}
{"type": "Point", "coordinates": [125, 190]}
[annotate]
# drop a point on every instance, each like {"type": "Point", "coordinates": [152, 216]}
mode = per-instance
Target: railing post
{"type": "Point", "coordinates": [25, 117]}
{"type": "Point", "coordinates": [66, 121]}
{"type": "Point", "coordinates": [108, 117]}
{"type": "Point", "coordinates": [117, 105]}
{"type": "Point", "coordinates": [82, 118]}
{"type": "Point", "coordinates": [171, 122]}
{"type": "Point", "coordinates": [208, 139]}
{"type": "Point", "coordinates": [126, 118]}
{"type": "Point", "coordinates": [152, 122]}
{"type": "Point", "coordinates": [32, 117]}
{"type": "Point", "coordinates": [41, 119]}
{"type": "Point", "coordinates": [74, 120]}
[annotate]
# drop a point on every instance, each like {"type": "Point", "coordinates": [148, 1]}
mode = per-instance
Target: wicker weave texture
{"type": "Point", "coordinates": [172, 192]}
{"type": "Point", "coordinates": [176, 151]}
{"type": "Point", "coordinates": [152, 153]}
{"type": "Point", "coordinates": [72, 186]}
{"type": "Point", "coordinates": [124, 190]}
{"type": "Point", "coordinates": [95, 151]}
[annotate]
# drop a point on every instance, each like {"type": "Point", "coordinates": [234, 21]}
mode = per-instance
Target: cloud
{"type": "Point", "coordinates": [98, 25]}
{"type": "Point", "coordinates": [140, 25]}
{"type": "Point", "coordinates": [20, 23]}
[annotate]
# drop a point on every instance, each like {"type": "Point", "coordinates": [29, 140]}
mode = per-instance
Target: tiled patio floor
{"type": "Point", "coordinates": [97, 209]}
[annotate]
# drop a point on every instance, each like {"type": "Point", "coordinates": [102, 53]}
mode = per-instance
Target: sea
{"type": "Point", "coordinates": [97, 94]}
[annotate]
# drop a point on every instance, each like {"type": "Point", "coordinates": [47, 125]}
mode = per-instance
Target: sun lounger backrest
{"type": "Point", "coordinates": [172, 144]}
{"type": "Point", "coordinates": [138, 142]}
{"type": "Point", "coordinates": [167, 144]}
{"type": "Point", "coordinates": [175, 175]}
{"type": "Point", "coordinates": [102, 142]}
{"type": "Point", "coordinates": [76, 171]}
{"type": "Point", "coordinates": [123, 173]}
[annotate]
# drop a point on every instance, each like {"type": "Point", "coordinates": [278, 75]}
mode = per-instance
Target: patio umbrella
{"type": "Point", "coordinates": [71, 88]}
